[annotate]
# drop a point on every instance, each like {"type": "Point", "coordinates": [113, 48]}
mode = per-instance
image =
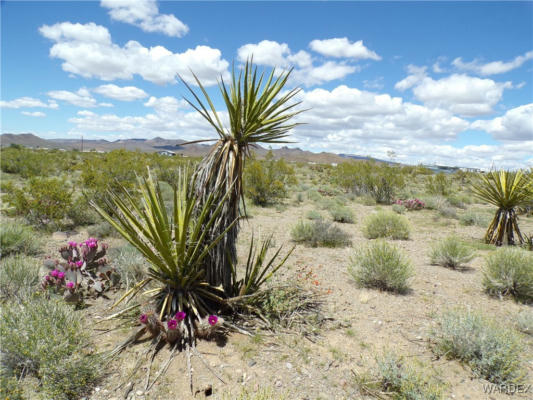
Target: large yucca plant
{"type": "Point", "coordinates": [258, 112]}
{"type": "Point", "coordinates": [506, 190]}
{"type": "Point", "coordinates": [174, 245]}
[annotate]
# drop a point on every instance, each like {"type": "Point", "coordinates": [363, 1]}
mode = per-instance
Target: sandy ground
{"type": "Point", "coordinates": [363, 323]}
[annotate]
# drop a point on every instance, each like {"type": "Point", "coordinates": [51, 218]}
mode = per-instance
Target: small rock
{"type": "Point", "coordinates": [288, 365]}
{"type": "Point", "coordinates": [96, 389]}
{"type": "Point", "coordinates": [278, 384]}
{"type": "Point", "coordinates": [139, 393]}
{"type": "Point", "coordinates": [252, 363]}
{"type": "Point", "coordinates": [59, 235]}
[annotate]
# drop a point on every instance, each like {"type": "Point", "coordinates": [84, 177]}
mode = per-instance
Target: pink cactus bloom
{"type": "Point", "coordinates": [47, 278]}
{"type": "Point", "coordinates": [79, 263]}
{"type": "Point", "coordinates": [213, 319]}
{"type": "Point", "coordinates": [143, 318]}
{"type": "Point", "coordinates": [72, 244]}
{"type": "Point", "coordinates": [172, 324]}
{"type": "Point", "coordinates": [54, 273]}
{"type": "Point", "coordinates": [180, 315]}
{"type": "Point", "coordinates": [70, 285]}
{"type": "Point", "coordinates": [60, 275]}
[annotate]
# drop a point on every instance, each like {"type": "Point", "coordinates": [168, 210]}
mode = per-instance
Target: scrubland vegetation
{"type": "Point", "coordinates": [295, 295]}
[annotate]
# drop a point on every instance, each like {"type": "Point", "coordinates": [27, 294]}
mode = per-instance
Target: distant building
{"type": "Point", "coordinates": [166, 153]}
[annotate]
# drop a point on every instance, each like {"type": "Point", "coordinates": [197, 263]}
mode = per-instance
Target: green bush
{"type": "Point", "coordinates": [313, 214]}
{"type": "Point", "coordinates": [448, 212]}
{"type": "Point", "coordinates": [399, 209]}
{"type": "Point", "coordinates": [18, 238]}
{"type": "Point", "coordinates": [82, 213]}
{"type": "Point", "coordinates": [459, 200]}
{"type": "Point", "coordinates": [435, 202]}
{"type": "Point", "coordinates": [367, 200]}
{"type": "Point", "coordinates": [342, 214]}
{"type": "Point", "coordinates": [509, 271]}
{"type": "Point", "coordinates": [381, 265]}
{"type": "Point", "coordinates": [266, 181]}
{"type": "Point", "coordinates": [319, 233]}
{"type": "Point", "coordinates": [491, 350]}
{"type": "Point", "coordinates": [42, 201]}
{"type": "Point", "coordinates": [524, 322]}
{"type": "Point", "coordinates": [386, 224]}
{"type": "Point", "coordinates": [46, 339]}
{"type": "Point", "coordinates": [470, 218]}
{"type": "Point", "coordinates": [405, 380]}
{"type": "Point", "coordinates": [102, 230]}
{"type": "Point", "coordinates": [451, 253]}
{"type": "Point", "coordinates": [439, 184]}
{"type": "Point", "coordinates": [19, 277]}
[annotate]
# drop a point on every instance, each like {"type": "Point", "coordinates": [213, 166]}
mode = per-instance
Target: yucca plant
{"type": "Point", "coordinates": [258, 113]}
{"type": "Point", "coordinates": [506, 190]}
{"type": "Point", "coordinates": [173, 244]}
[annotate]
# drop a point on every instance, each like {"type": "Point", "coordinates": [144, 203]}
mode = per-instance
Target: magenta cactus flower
{"type": "Point", "coordinates": [72, 244]}
{"type": "Point", "coordinates": [79, 264]}
{"type": "Point", "coordinates": [47, 278]}
{"type": "Point", "coordinates": [180, 315]}
{"type": "Point", "coordinates": [172, 324]}
{"type": "Point", "coordinates": [54, 273]}
{"type": "Point", "coordinates": [213, 319]}
{"type": "Point", "coordinates": [70, 285]}
{"type": "Point", "coordinates": [143, 318]}
{"type": "Point", "coordinates": [60, 275]}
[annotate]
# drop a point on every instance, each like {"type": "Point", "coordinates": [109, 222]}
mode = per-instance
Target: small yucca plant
{"type": "Point", "coordinates": [506, 190]}
{"type": "Point", "coordinates": [173, 244]}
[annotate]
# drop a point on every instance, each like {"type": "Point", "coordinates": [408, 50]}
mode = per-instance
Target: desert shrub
{"type": "Point", "coordinates": [55, 348]}
{"type": "Point", "coordinates": [470, 218]}
{"type": "Point", "coordinates": [319, 233]}
{"type": "Point", "coordinates": [27, 163]}
{"type": "Point", "coordinates": [509, 271]}
{"type": "Point", "coordinates": [367, 200]}
{"type": "Point", "coordinates": [404, 380]}
{"type": "Point", "coordinates": [524, 322]}
{"type": "Point", "coordinates": [19, 277]}
{"type": "Point", "coordinates": [102, 230]}
{"type": "Point", "coordinates": [451, 253]}
{"type": "Point", "coordinates": [459, 200]}
{"type": "Point", "coordinates": [313, 214]}
{"type": "Point", "coordinates": [314, 195]}
{"type": "Point", "coordinates": [438, 184]}
{"type": "Point", "coordinates": [18, 238]}
{"type": "Point", "coordinates": [399, 209]}
{"type": "Point", "coordinates": [381, 265]}
{"type": "Point", "coordinates": [342, 214]}
{"type": "Point", "coordinates": [42, 201]}
{"type": "Point", "coordinates": [299, 198]}
{"type": "Point", "coordinates": [81, 213]}
{"type": "Point", "coordinates": [130, 264]}
{"type": "Point", "coordinates": [490, 349]}
{"type": "Point", "coordinates": [435, 202]}
{"type": "Point", "coordinates": [386, 224]}
{"type": "Point", "coordinates": [448, 212]}
{"type": "Point", "coordinates": [266, 181]}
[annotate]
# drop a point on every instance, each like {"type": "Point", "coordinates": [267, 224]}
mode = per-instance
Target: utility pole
{"type": "Point", "coordinates": [82, 143]}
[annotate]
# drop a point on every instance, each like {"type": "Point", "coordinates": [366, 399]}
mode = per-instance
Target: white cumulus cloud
{"type": "Point", "coordinates": [33, 113]}
{"type": "Point", "coordinates": [81, 98]}
{"type": "Point", "coordinates": [108, 61]}
{"type": "Point", "coordinates": [27, 102]}
{"type": "Point", "coordinates": [125, 93]}
{"type": "Point", "coordinates": [494, 67]}
{"type": "Point", "coordinates": [145, 15]}
{"type": "Point", "coordinates": [515, 124]}
{"type": "Point", "coordinates": [343, 48]}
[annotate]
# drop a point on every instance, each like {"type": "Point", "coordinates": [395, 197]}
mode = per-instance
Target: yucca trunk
{"type": "Point", "coordinates": [221, 168]}
{"type": "Point", "coordinates": [503, 227]}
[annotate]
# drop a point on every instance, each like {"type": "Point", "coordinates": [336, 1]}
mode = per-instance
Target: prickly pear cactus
{"type": "Point", "coordinates": [82, 271]}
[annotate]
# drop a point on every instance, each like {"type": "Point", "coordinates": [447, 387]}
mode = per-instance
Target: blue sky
{"type": "Point", "coordinates": [448, 83]}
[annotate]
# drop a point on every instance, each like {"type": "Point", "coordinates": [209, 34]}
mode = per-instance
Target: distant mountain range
{"type": "Point", "coordinates": [160, 144]}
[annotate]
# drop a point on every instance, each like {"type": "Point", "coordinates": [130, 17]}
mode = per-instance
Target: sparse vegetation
{"type": "Point", "coordinates": [490, 349]}
{"type": "Point", "coordinates": [470, 218]}
{"type": "Point", "coordinates": [451, 253]}
{"type": "Point", "coordinates": [386, 224]}
{"type": "Point", "coordinates": [18, 238]}
{"type": "Point", "coordinates": [313, 214]}
{"type": "Point", "coordinates": [381, 265]}
{"type": "Point", "coordinates": [524, 322]}
{"type": "Point", "coordinates": [19, 276]}
{"type": "Point", "coordinates": [509, 272]}
{"type": "Point", "coordinates": [342, 214]}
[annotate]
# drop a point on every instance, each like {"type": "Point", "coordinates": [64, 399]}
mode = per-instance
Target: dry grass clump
{"type": "Point", "coordinates": [398, 378]}
{"type": "Point", "coordinates": [509, 272]}
{"type": "Point", "coordinates": [491, 350]}
{"type": "Point", "coordinates": [524, 322]}
{"type": "Point", "coordinates": [342, 214]}
{"type": "Point", "coordinates": [470, 218]}
{"type": "Point", "coordinates": [386, 224]}
{"type": "Point", "coordinates": [19, 277]}
{"type": "Point", "coordinates": [319, 233]}
{"type": "Point", "coordinates": [451, 253]}
{"type": "Point", "coordinates": [381, 265]}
